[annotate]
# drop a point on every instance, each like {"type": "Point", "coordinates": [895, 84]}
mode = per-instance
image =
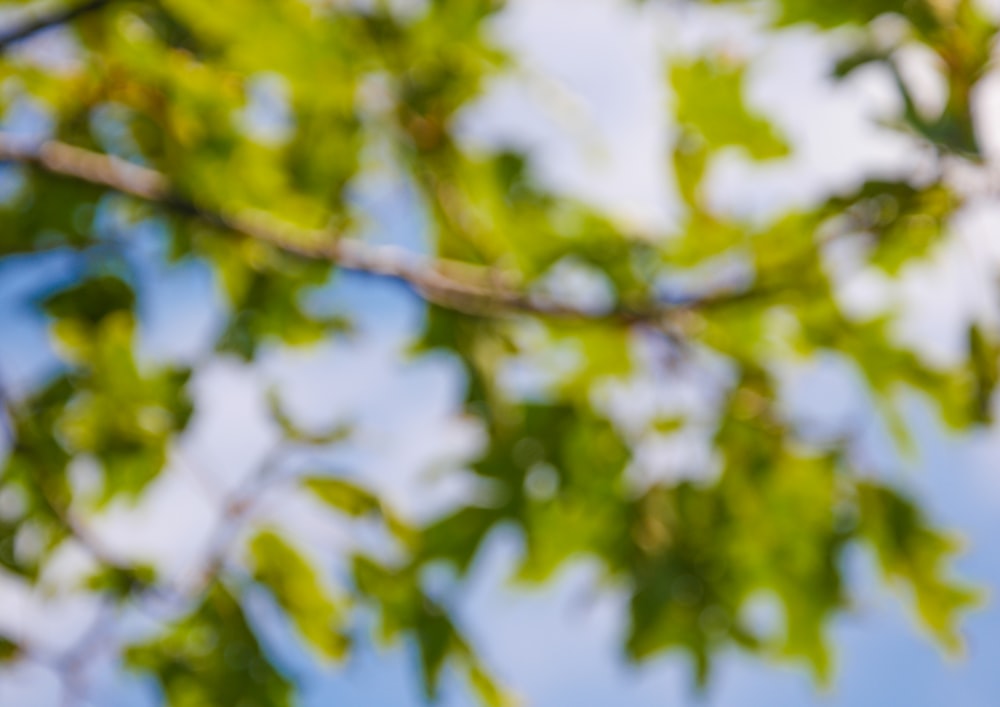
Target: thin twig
{"type": "Point", "coordinates": [236, 509]}
{"type": "Point", "coordinates": [42, 22]}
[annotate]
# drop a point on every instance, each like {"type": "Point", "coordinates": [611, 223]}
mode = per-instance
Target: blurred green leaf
{"type": "Point", "coordinates": [710, 104]}
{"type": "Point", "coordinates": [404, 608]}
{"type": "Point", "coordinates": [911, 552]}
{"type": "Point", "coordinates": [8, 650]}
{"type": "Point", "coordinates": [212, 657]}
{"type": "Point", "coordinates": [300, 593]}
{"type": "Point", "coordinates": [344, 496]}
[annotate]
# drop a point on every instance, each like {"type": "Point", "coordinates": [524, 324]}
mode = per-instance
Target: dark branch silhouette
{"type": "Point", "coordinates": [42, 22]}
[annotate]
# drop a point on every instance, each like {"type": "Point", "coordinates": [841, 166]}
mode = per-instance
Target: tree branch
{"type": "Point", "coordinates": [450, 284]}
{"type": "Point", "coordinates": [42, 22]}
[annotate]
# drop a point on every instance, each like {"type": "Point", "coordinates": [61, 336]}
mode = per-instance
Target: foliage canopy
{"type": "Point", "coordinates": [232, 134]}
